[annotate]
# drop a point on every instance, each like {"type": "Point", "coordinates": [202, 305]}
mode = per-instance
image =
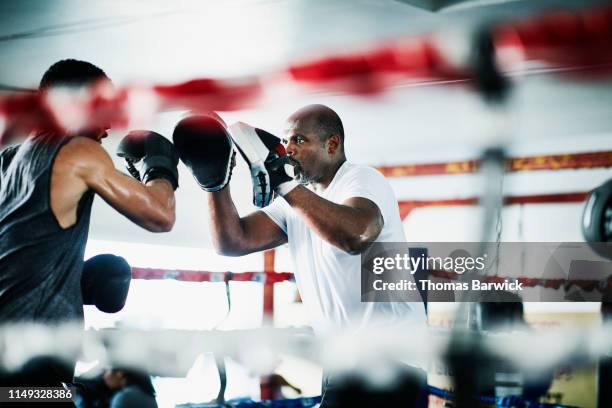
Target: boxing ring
{"type": "Point", "coordinates": [569, 44]}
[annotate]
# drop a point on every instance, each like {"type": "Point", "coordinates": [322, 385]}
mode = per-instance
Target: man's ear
{"type": "Point", "coordinates": [333, 144]}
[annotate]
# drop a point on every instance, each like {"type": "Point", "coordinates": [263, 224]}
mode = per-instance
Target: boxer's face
{"type": "Point", "coordinates": [71, 106]}
{"type": "Point", "coordinates": [308, 150]}
{"type": "Point", "coordinates": [99, 127]}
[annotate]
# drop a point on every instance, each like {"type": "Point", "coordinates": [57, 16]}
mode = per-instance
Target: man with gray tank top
{"type": "Point", "coordinates": [47, 187]}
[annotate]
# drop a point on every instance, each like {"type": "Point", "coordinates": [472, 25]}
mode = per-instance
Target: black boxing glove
{"type": "Point", "coordinates": [160, 159]}
{"type": "Point", "coordinates": [205, 146]}
{"type": "Point", "coordinates": [105, 282]}
{"type": "Point", "coordinates": [597, 220]}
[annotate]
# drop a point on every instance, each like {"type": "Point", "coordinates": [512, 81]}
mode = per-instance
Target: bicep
{"type": "Point", "coordinates": [128, 196]}
{"type": "Point", "coordinates": [101, 176]}
{"type": "Point", "coordinates": [261, 233]}
{"type": "Point", "coordinates": [116, 188]}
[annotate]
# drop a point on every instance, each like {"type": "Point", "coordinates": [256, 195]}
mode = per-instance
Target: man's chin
{"type": "Point", "coordinates": [301, 180]}
{"type": "Point", "coordinates": [297, 177]}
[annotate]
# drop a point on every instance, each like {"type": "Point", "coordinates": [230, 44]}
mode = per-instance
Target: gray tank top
{"type": "Point", "coordinates": [40, 262]}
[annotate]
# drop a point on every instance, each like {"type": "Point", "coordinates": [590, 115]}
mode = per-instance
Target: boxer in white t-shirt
{"type": "Point", "coordinates": [329, 213]}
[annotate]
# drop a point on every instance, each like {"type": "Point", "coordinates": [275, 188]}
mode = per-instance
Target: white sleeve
{"type": "Point", "coordinates": [368, 183]}
{"type": "Point", "coordinates": [277, 212]}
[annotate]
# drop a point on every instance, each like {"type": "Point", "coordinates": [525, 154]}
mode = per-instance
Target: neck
{"type": "Point", "coordinates": [329, 176]}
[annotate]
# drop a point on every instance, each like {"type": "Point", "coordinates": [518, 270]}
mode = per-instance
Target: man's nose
{"type": "Point", "coordinates": [290, 148]}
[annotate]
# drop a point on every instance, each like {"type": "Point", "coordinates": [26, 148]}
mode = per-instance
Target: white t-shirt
{"type": "Point", "coordinates": [327, 277]}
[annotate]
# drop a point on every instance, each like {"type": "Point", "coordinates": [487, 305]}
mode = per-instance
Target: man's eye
{"type": "Point", "coordinates": [299, 140]}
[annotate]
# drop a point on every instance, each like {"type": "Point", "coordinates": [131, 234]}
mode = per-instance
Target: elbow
{"type": "Point", "coordinates": [355, 245]}
{"type": "Point", "coordinates": [166, 226]}
{"type": "Point", "coordinates": [358, 241]}
{"type": "Point", "coordinates": [167, 221]}
{"type": "Point", "coordinates": [163, 223]}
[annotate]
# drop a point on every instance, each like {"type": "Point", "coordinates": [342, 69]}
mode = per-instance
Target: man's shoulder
{"type": "Point", "coordinates": [362, 172]}
{"type": "Point", "coordinates": [51, 140]}
{"type": "Point", "coordinates": [364, 181]}
{"type": "Point", "coordinates": [82, 143]}
{"type": "Point", "coordinates": [81, 158]}
{"type": "Point", "coordinates": [81, 149]}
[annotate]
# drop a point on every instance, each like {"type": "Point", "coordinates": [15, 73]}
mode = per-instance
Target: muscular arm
{"type": "Point", "coordinates": [350, 226]}
{"type": "Point", "coordinates": [83, 164]}
{"type": "Point", "coordinates": [235, 236]}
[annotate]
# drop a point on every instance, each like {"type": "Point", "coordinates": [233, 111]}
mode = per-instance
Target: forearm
{"type": "Point", "coordinates": [162, 193]}
{"type": "Point", "coordinates": [350, 229]}
{"type": "Point", "coordinates": [150, 206]}
{"type": "Point", "coordinates": [225, 226]}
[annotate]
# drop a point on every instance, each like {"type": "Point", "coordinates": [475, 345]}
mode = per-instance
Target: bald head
{"type": "Point", "coordinates": [314, 139]}
{"type": "Point", "coordinates": [319, 119]}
